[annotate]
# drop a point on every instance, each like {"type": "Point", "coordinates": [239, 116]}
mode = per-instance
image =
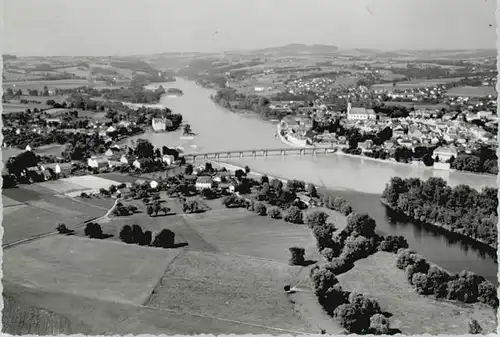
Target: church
{"type": "Point", "coordinates": [358, 114]}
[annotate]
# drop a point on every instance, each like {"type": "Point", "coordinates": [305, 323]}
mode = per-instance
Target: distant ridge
{"type": "Point", "coordinates": [299, 48]}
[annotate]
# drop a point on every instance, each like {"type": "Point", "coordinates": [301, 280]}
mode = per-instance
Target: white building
{"type": "Point", "coordinates": [159, 124]}
{"type": "Point", "coordinates": [96, 162]}
{"type": "Point", "coordinates": [203, 182]}
{"type": "Point", "coordinates": [168, 159]}
{"type": "Point", "coordinates": [359, 113]}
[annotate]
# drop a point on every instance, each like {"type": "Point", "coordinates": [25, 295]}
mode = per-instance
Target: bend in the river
{"type": "Point", "coordinates": [360, 180]}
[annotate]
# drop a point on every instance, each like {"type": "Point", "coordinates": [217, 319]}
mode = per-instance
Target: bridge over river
{"type": "Point", "coordinates": [297, 151]}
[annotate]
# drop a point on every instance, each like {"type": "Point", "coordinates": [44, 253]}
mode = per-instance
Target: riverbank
{"type": "Point", "coordinates": [437, 225]}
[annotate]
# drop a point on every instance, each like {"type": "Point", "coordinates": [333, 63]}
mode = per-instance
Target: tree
{"type": "Point", "coordinates": [295, 185]}
{"type": "Point", "coordinates": [93, 230]}
{"type": "Point", "coordinates": [487, 293]}
{"type": "Point", "coordinates": [247, 169]}
{"type": "Point", "coordinates": [311, 191]}
{"type": "Point", "coordinates": [187, 129]}
{"type": "Point", "coordinates": [144, 148]}
{"type": "Point", "coordinates": [137, 233]}
{"type": "Point", "coordinates": [126, 234]}
{"type": "Point", "coordinates": [164, 239]}
{"type": "Point", "coordinates": [239, 174]}
{"type": "Point", "coordinates": [150, 210]}
{"type": "Point", "coordinates": [189, 170]}
{"type": "Point", "coordinates": [191, 206]}
{"type": "Point", "coordinates": [294, 215]}
{"type": "Point", "coordinates": [157, 208]}
{"type": "Point", "coordinates": [323, 235]}
{"type": "Point", "coordinates": [363, 224]}
{"type": "Point", "coordinates": [62, 229]}
{"type": "Point", "coordinates": [208, 193]}
{"type": "Point", "coordinates": [427, 160]}
{"type": "Point", "coordinates": [379, 325]}
{"type": "Point", "coordinates": [297, 258]}
{"type": "Point", "coordinates": [348, 317]}
{"type": "Point", "coordinates": [474, 327]}
{"type": "Point", "coordinates": [316, 218]}
{"type": "Point", "coordinates": [145, 239]}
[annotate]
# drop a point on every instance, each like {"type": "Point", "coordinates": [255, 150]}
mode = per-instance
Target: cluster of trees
{"type": "Point", "coordinates": [355, 312]}
{"type": "Point", "coordinates": [192, 205]}
{"type": "Point", "coordinates": [135, 235]}
{"type": "Point", "coordinates": [337, 203]}
{"type": "Point", "coordinates": [483, 160]}
{"type": "Point", "coordinates": [461, 209]}
{"type": "Point", "coordinates": [122, 210]}
{"type": "Point", "coordinates": [94, 231]}
{"type": "Point", "coordinates": [432, 280]}
{"type": "Point", "coordinates": [135, 95]}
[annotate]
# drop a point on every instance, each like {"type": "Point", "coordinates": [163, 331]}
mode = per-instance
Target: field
{"type": "Point", "coordinates": [37, 209]}
{"type": "Point", "coordinates": [240, 232]}
{"type": "Point", "coordinates": [89, 268]}
{"type": "Point", "coordinates": [229, 287]}
{"type": "Point", "coordinates": [29, 320]}
{"type": "Point", "coordinates": [62, 84]}
{"type": "Point", "coordinates": [413, 314]}
{"type": "Point", "coordinates": [416, 105]}
{"type": "Point", "coordinates": [417, 83]}
{"type": "Point", "coordinates": [472, 91]}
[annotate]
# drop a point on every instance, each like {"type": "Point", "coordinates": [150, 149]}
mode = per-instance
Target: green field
{"type": "Point", "coordinates": [417, 83]}
{"type": "Point", "coordinates": [88, 268]}
{"type": "Point", "coordinates": [229, 287]}
{"type": "Point", "coordinates": [472, 91]}
{"type": "Point", "coordinates": [377, 276]}
{"type": "Point", "coordinates": [62, 84]}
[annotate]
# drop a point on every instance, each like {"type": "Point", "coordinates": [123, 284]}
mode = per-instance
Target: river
{"type": "Point", "coordinates": [359, 180]}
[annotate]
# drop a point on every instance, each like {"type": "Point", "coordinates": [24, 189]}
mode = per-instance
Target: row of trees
{"type": "Point", "coordinates": [135, 235]}
{"type": "Point", "coordinates": [482, 161]}
{"type": "Point", "coordinates": [461, 209]}
{"type": "Point", "coordinates": [432, 280]}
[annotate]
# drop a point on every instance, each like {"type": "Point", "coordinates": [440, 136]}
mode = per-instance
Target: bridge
{"type": "Point", "coordinates": [300, 151]}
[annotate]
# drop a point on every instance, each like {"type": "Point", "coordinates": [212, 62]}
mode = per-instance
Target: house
{"type": "Point", "coordinates": [136, 164]}
{"type": "Point", "coordinates": [227, 186]}
{"type": "Point", "coordinates": [366, 146]}
{"type": "Point", "coordinates": [444, 153]}
{"type": "Point", "coordinates": [203, 182]}
{"type": "Point", "coordinates": [398, 131]}
{"type": "Point", "coordinates": [126, 159]}
{"type": "Point", "coordinates": [359, 113]}
{"type": "Point", "coordinates": [110, 129]}
{"type": "Point", "coordinates": [484, 114]}
{"type": "Point", "coordinates": [124, 123]}
{"type": "Point", "coordinates": [98, 162]}
{"type": "Point", "coordinates": [28, 148]}
{"type": "Point", "coordinates": [159, 124]}
{"type": "Point", "coordinates": [168, 159]}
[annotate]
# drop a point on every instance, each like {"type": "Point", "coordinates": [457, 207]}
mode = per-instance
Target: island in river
{"type": "Point", "coordinates": [174, 92]}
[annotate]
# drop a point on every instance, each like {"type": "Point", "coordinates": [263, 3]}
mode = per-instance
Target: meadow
{"type": "Point", "coordinates": [39, 84]}
{"type": "Point", "coordinates": [416, 84]}
{"type": "Point", "coordinates": [472, 91]}
{"type": "Point", "coordinates": [412, 313]}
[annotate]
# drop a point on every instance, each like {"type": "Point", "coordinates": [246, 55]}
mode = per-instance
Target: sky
{"type": "Point", "coordinates": [128, 27]}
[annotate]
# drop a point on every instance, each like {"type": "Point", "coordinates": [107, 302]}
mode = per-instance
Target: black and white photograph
{"type": "Point", "coordinates": [249, 167]}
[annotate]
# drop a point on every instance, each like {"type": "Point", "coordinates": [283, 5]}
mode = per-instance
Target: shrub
{"type": "Point", "coordinates": [438, 279]}
{"type": "Point", "coordinates": [93, 230]}
{"type": "Point", "coordinates": [363, 224]}
{"type": "Point", "coordinates": [316, 218]}
{"type": "Point", "coordinates": [404, 258]}
{"type": "Point", "coordinates": [274, 212]}
{"type": "Point", "coordinates": [233, 201]}
{"type": "Point", "coordinates": [349, 318]}
{"type": "Point", "coordinates": [474, 327]}
{"type": "Point", "coordinates": [208, 193]}
{"type": "Point", "coordinates": [294, 215]}
{"type": "Point", "coordinates": [122, 185]}
{"type": "Point", "coordinates": [297, 257]}
{"type": "Point", "coordinates": [322, 279]}
{"type": "Point", "coordinates": [356, 248]}
{"type": "Point", "coordinates": [333, 297]}
{"type": "Point", "coordinates": [366, 306]}
{"type": "Point", "coordinates": [327, 253]}
{"type": "Point", "coordinates": [164, 239]}
{"type": "Point", "coordinates": [295, 185]}
{"type": "Point", "coordinates": [62, 229]}
{"type": "Point", "coordinates": [323, 235]}
{"type": "Point", "coordinates": [393, 244]}
{"type": "Point", "coordinates": [104, 192]}
{"type": "Point", "coordinates": [345, 209]}
{"type": "Point", "coordinates": [132, 209]}
{"type": "Point", "coordinates": [260, 208]}
{"type": "Point", "coordinates": [487, 293]}
{"type": "Point", "coordinates": [84, 195]}
{"type": "Point", "coordinates": [339, 265]}
{"type": "Point", "coordinates": [112, 189]}
{"type": "Point", "coordinates": [421, 283]}
{"type": "Point", "coordinates": [379, 325]}
{"type": "Point", "coordinates": [150, 210]}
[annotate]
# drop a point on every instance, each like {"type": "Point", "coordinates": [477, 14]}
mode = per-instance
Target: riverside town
{"type": "Point", "coordinates": [214, 182]}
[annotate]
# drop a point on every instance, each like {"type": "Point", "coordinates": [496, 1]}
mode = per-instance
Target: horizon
{"type": "Point", "coordinates": [217, 26]}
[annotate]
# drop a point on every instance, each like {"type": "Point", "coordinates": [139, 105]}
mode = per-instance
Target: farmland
{"type": "Point", "coordinates": [390, 287]}
{"type": "Point", "coordinates": [472, 91]}
{"type": "Point", "coordinates": [416, 83]}
{"type": "Point", "coordinates": [61, 84]}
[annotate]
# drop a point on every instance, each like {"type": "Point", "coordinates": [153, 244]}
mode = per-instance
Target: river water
{"type": "Point", "coordinates": [359, 180]}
